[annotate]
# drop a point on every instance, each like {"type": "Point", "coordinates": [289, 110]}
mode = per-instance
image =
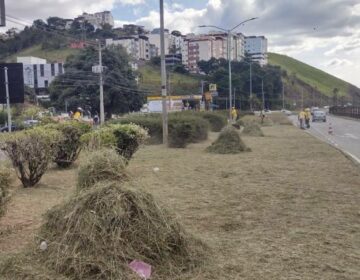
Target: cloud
{"type": "Point", "coordinates": [337, 62]}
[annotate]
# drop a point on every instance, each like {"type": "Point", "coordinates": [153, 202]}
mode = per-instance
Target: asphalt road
{"type": "Point", "coordinates": [345, 136]}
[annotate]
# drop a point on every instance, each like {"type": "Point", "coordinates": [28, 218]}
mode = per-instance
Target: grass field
{"type": "Point", "coordinates": [310, 75]}
{"type": "Point", "coordinates": [51, 56]}
{"type": "Point", "coordinates": [290, 209]}
{"type": "Point", "coordinates": [180, 84]}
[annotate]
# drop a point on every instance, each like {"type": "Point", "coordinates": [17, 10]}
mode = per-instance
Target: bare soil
{"type": "Point", "coordinates": [290, 209]}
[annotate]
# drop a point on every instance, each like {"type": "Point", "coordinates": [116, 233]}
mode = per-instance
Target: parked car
{"type": "Point", "coordinates": [286, 112]}
{"type": "Point", "coordinates": [6, 128]}
{"type": "Point", "coordinates": [313, 109]}
{"type": "Point", "coordinates": [319, 116]}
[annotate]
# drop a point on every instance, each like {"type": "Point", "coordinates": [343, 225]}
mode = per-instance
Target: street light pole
{"type": "Point", "coordinates": [163, 75]}
{"type": "Point", "coordinates": [102, 110]}
{"type": "Point", "coordinates": [251, 101]}
{"type": "Point", "coordinates": [8, 99]}
{"type": "Point", "coordinates": [263, 95]}
{"type": "Point", "coordinates": [230, 78]}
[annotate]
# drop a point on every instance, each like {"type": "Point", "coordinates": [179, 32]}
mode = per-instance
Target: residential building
{"type": "Point", "coordinates": [154, 39]}
{"type": "Point", "coordinates": [257, 47]}
{"type": "Point", "coordinates": [39, 74]}
{"type": "Point", "coordinates": [137, 46]}
{"type": "Point", "coordinates": [77, 45]}
{"type": "Point", "coordinates": [173, 59]}
{"type": "Point", "coordinates": [154, 51]}
{"type": "Point", "coordinates": [212, 45]}
{"type": "Point", "coordinates": [98, 19]}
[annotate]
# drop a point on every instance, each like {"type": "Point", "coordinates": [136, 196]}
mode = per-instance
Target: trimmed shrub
{"type": "Point", "coordinates": [70, 146]}
{"type": "Point", "coordinates": [101, 165]}
{"type": "Point", "coordinates": [186, 129]}
{"type": "Point", "coordinates": [97, 233]}
{"type": "Point", "coordinates": [30, 152]}
{"type": "Point", "coordinates": [253, 129]}
{"type": "Point", "coordinates": [217, 121]}
{"type": "Point", "coordinates": [5, 182]}
{"type": "Point", "coordinates": [151, 122]}
{"type": "Point", "coordinates": [228, 142]}
{"type": "Point", "coordinates": [125, 138]}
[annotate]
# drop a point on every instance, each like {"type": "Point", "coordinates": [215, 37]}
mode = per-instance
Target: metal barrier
{"type": "Point", "coordinates": [348, 111]}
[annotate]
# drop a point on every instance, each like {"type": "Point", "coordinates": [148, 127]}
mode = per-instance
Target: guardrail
{"type": "Point", "coordinates": [348, 111]}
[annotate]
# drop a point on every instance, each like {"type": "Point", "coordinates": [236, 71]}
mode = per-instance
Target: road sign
{"type": "Point", "coordinates": [16, 83]}
{"type": "Point", "coordinates": [212, 87]}
{"type": "Point", "coordinates": [2, 13]}
{"type": "Point", "coordinates": [97, 69]}
{"type": "Point", "coordinates": [214, 94]}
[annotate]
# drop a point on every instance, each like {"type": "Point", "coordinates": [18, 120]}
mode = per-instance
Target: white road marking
{"type": "Point", "coordinates": [352, 136]}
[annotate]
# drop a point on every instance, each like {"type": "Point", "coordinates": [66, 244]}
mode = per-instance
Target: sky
{"type": "Point", "coordinates": [322, 33]}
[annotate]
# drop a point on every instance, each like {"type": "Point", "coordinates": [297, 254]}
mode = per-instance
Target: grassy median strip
{"type": "Point", "coordinates": [289, 209]}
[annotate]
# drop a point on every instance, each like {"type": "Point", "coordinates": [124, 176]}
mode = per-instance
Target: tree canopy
{"type": "Point", "coordinates": [218, 73]}
{"type": "Point", "coordinates": [79, 87]}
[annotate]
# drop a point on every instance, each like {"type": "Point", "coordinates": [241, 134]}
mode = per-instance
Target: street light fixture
{"type": "Point", "coordinates": [229, 33]}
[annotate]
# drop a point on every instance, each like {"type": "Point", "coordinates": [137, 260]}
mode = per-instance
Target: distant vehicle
{"type": "Point", "coordinates": [313, 109]}
{"type": "Point", "coordinates": [31, 122]}
{"type": "Point", "coordinates": [319, 116]}
{"type": "Point", "coordinates": [287, 112]}
{"type": "Point", "coordinates": [6, 128]}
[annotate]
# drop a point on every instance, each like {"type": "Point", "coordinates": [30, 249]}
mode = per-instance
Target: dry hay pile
{"type": "Point", "coordinates": [228, 142]}
{"type": "Point", "coordinates": [5, 182]}
{"type": "Point", "coordinates": [98, 165]}
{"type": "Point", "coordinates": [96, 234]}
{"type": "Point", "coordinates": [253, 129]}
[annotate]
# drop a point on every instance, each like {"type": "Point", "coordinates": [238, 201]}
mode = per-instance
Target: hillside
{"type": "Point", "coordinates": [50, 55]}
{"type": "Point", "coordinates": [180, 84]}
{"type": "Point", "coordinates": [322, 81]}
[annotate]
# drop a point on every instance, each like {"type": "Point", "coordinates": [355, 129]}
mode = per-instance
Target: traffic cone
{"type": "Point", "coordinates": [330, 129]}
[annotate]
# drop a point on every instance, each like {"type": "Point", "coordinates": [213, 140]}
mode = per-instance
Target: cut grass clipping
{"type": "Point", "coordinates": [98, 165]}
{"type": "Point", "coordinates": [229, 142]}
{"type": "Point", "coordinates": [98, 233]}
{"type": "Point", "coordinates": [253, 129]}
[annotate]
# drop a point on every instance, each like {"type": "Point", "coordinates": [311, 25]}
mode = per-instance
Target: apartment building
{"type": "Point", "coordinates": [137, 46]}
{"type": "Point", "coordinates": [257, 48]}
{"type": "Point", "coordinates": [207, 46]}
{"type": "Point", "coordinates": [98, 19]}
{"type": "Point", "coordinates": [39, 74]}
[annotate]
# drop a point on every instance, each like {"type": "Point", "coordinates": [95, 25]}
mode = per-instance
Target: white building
{"type": "Point", "coordinates": [154, 39]}
{"type": "Point", "coordinates": [207, 46]}
{"type": "Point", "coordinates": [98, 19]}
{"type": "Point", "coordinates": [39, 74]}
{"type": "Point", "coordinates": [257, 48]}
{"type": "Point", "coordinates": [137, 46]}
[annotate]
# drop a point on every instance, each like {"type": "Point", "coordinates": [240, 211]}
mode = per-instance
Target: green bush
{"type": "Point", "coordinates": [217, 121]}
{"type": "Point", "coordinates": [30, 152]}
{"type": "Point", "coordinates": [125, 138]}
{"type": "Point", "coordinates": [186, 129]}
{"type": "Point", "coordinates": [5, 181]}
{"type": "Point", "coordinates": [228, 142]}
{"type": "Point", "coordinates": [101, 165]}
{"type": "Point", "coordinates": [70, 145]}
{"type": "Point", "coordinates": [151, 122]}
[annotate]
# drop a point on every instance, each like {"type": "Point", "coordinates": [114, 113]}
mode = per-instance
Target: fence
{"type": "Point", "coordinates": [348, 111]}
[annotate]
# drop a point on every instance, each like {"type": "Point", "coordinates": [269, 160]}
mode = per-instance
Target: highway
{"type": "Point", "coordinates": [345, 136]}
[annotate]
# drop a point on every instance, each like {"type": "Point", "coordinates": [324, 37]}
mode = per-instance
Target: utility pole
{"type": "Point", "coordinates": [302, 98]}
{"type": "Point", "coordinates": [283, 95]}
{"type": "Point", "coordinates": [102, 111]}
{"type": "Point", "coordinates": [163, 75]}
{"type": "Point", "coordinates": [8, 99]}
{"type": "Point", "coordinates": [230, 78]}
{"type": "Point", "coordinates": [235, 98]}
{"type": "Point", "coordinates": [263, 95]}
{"type": "Point", "coordinates": [251, 101]}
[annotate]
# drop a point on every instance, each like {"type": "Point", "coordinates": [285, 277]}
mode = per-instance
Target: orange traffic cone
{"type": "Point", "coordinates": [330, 129]}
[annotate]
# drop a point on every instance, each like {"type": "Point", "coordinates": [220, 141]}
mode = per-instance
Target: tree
{"type": "Point", "coordinates": [79, 87]}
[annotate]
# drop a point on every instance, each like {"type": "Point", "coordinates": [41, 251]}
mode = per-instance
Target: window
{"type": "Point", "coordinates": [60, 68]}
{"type": "Point", "coordinates": [52, 69]}
{"type": "Point", "coordinates": [46, 83]}
{"type": "Point", "coordinates": [42, 70]}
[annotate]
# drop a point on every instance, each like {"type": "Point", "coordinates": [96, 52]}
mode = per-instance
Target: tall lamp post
{"type": "Point", "coordinates": [229, 34]}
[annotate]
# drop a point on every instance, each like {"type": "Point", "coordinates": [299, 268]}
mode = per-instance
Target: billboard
{"type": "Point", "coordinates": [16, 82]}
{"type": "Point", "coordinates": [2, 13]}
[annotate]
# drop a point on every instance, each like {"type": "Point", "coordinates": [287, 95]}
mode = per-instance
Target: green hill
{"type": "Point", "coordinates": [50, 55]}
{"type": "Point", "coordinates": [312, 76]}
{"type": "Point", "coordinates": [180, 84]}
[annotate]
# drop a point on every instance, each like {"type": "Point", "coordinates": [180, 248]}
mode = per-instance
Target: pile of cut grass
{"type": "Point", "coordinates": [104, 164]}
{"type": "Point", "coordinates": [98, 233]}
{"type": "Point", "coordinates": [253, 129]}
{"type": "Point", "coordinates": [5, 181]}
{"type": "Point", "coordinates": [228, 142]}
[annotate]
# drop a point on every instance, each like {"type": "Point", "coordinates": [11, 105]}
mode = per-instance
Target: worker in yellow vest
{"type": "Point", "coordinates": [234, 114]}
{"type": "Point", "coordinates": [301, 118]}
